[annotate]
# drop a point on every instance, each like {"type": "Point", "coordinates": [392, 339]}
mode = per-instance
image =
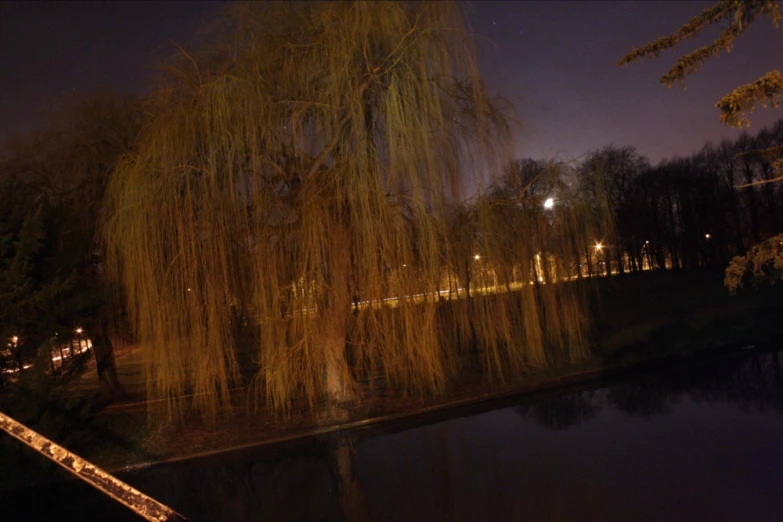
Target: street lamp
{"type": "Point", "coordinates": [549, 203]}
{"type": "Point", "coordinates": [78, 340]}
{"type": "Point", "coordinates": [477, 257]}
{"type": "Point", "coordinates": [598, 249]}
{"type": "Point", "coordinates": [706, 236]}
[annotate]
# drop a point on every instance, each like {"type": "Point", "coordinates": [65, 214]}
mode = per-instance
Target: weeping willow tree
{"type": "Point", "coordinates": [527, 243]}
{"type": "Point", "coordinates": [298, 172]}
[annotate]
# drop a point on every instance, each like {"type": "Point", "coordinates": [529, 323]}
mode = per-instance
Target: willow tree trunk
{"type": "Point", "coordinates": [342, 463]}
{"type": "Point", "coordinates": [338, 380]}
{"type": "Point", "coordinates": [339, 384]}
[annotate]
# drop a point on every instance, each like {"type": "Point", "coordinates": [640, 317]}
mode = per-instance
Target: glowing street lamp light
{"type": "Point", "coordinates": [598, 246]}
{"type": "Point", "coordinates": [549, 203]}
{"type": "Point", "coordinates": [706, 236]}
{"type": "Point", "coordinates": [79, 331]}
{"type": "Point", "coordinates": [14, 339]}
{"type": "Point", "coordinates": [477, 257]}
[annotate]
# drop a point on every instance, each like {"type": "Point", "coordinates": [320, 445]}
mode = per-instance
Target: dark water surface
{"type": "Point", "coordinates": [702, 443]}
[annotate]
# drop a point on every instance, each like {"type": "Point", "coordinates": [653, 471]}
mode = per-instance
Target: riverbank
{"type": "Point", "coordinates": [641, 322]}
{"type": "Point", "coordinates": [642, 316]}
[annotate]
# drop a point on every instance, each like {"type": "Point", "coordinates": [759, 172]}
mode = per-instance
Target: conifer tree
{"type": "Point", "coordinates": [50, 205]}
{"type": "Point", "coordinates": [31, 285]}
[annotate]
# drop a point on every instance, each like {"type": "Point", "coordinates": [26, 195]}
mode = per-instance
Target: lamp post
{"type": "Point", "coordinates": [79, 338]}
{"type": "Point", "coordinates": [707, 249]}
{"type": "Point", "coordinates": [15, 346]}
{"type": "Point", "coordinates": [543, 274]}
{"type": "Point", "coordinates": [598, 249]}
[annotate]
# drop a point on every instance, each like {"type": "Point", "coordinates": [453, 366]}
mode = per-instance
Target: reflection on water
{"type": "Point", "coordinates": [342, 460]}
{"type": "Point", "coordinates": [753, 384]}
{"type": "Point", "coordinates": [692, 444]}
{"type": "Point", "coordinates": [562, 411]}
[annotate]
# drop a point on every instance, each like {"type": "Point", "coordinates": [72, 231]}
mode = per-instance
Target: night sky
{"type": "Point", "coordinates": [554, 60]}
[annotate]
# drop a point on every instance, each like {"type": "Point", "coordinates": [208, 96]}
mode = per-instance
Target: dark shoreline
{"type": "Point", "coordinates": [404, 420]}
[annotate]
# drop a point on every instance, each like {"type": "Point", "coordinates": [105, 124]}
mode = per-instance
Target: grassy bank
{"type": "Point", "coordinates": [637, 319]}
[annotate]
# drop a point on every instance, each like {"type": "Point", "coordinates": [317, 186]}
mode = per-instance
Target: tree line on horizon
{"type": "Point", "coordinates": [700, 210]}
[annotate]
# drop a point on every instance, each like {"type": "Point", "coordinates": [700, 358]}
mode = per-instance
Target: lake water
{"type": "Point", "coordinates": [702, 443]}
